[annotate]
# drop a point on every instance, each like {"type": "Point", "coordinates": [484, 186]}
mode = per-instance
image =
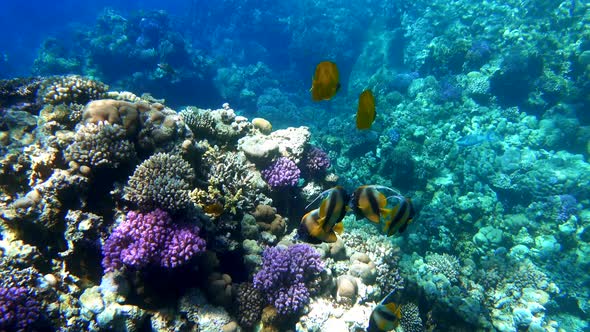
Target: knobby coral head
{"type": "Point", "coordinates": [316, 161]}
{"type": "Point", "coordinates": [282, 173]}
{"type": "Point", "coordinates": [288, 276]}
{"type": "Point", "coordinates": [18, 308]}
{"type": "Point", "coordinates": [151, 238]}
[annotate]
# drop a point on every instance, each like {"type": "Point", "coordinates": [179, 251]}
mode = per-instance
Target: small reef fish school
{"type": "Point", "coordinates": [326, 83]}
{"type": "Point", "coordinates": [392, 214]}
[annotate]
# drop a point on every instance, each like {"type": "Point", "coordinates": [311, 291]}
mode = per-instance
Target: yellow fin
{"type": "Point", "coordinates": [338, 228]}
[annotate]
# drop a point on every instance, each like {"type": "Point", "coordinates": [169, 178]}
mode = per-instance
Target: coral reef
{"type": "Point", "coordinates": [250, 303]}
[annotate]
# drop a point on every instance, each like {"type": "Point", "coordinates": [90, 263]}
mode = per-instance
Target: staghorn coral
{"type": "Point", "coordinates": [288, 275]}
{"type": "Point", "coordinates": [161, 181]}
{"type": "Point", "coordinates": [70, 89]}
{"type": "Point", "coordinates": [100, 145]}
{"type": "Point", "coordinates": [250, 303]}
{"type": "Point", "coordinates": [151, 238]}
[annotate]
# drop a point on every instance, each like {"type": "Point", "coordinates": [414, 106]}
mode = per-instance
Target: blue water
{"type": "Point", "coordinates": [482, 127]}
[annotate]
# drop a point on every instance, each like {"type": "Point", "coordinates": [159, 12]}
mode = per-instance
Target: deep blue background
{"type": "Point", "coordinates": [25, 24]}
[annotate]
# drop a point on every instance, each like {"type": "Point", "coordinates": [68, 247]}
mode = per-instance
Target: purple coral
{"type": "Point", "coordinates": [282, 173]}
{"type": "Point", "coordinates": [18, 308]}
{"type": "Point", "coordinates": [568, 208]}
{"type": "Point", "coordinates": [287, 276]}
{"type": "Point", "coordinates": [151, 238]}
{"type": "Point", "coordinates": [316, 161]}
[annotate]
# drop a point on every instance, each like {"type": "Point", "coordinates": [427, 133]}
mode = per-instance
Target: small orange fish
{"type": "Point", "coordinates": [365, 115]}
{"type": "Point", "coordinates": [325, 82]}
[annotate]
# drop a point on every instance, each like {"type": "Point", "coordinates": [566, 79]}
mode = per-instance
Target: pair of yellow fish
{"type": "Point", "coordinates": [326, 82]}
{"type": "Point", "coordinates": [392, 213]}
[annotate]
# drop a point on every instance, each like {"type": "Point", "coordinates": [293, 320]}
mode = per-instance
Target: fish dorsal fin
{"type": "Point", "coordinates": [382, 200]}
{"type": "Point", "coordinates": [391, 297]}
{"type": "Point", "coordinates": [338, 228]}
{"type": "Point", "coordinates": [322, 195]}
{"type": "Point", "coordinates": [395, 191]}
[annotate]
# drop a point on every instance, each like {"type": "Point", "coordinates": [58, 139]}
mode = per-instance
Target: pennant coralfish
{"type": "Point", "coordinates": [369, 202]}
{"type": "Point", "coordinates": [386, 316]}
{"type": "Point", "coordinates": [322, 223]}
{"type": "Point", "coordinates": [325, 82]}
{"type": "Point", "coordinates": [392, 213]}
{"type": "Point", "coordinates": [399, 217]}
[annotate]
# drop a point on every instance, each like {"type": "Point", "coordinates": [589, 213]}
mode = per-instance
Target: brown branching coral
{"type": "Point", "coordinates": [445, 264]}
{"type": "Point", "coordinates": [162, 181]}
{"type": "Point", "coordinates": [233, 184]}
{"type": "Point", "coordinates": [100, 145]}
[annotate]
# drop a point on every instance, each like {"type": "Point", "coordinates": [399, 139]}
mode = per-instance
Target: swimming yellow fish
{"type": "Point", "coordinates": [325, 82]}
{"type": "Point", "coordinates": [386, 316]}
{"type": "Point", "coordinates": [393, 213]}
{"type": "Point", "coordinates": [399, 217]}
{"type": "Point", "coordinates": [365, 115]}
{"type": "Point", "coordinates": [323, 223]}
